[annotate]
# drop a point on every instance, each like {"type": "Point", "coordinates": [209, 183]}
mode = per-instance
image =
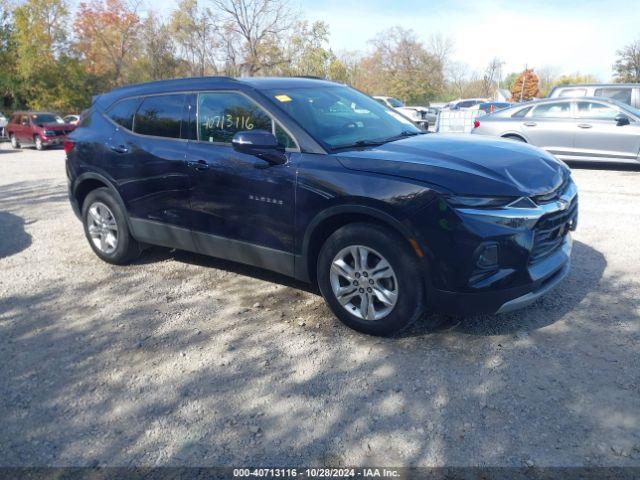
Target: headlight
{"type": "Point", "coordinates": [479, 202]}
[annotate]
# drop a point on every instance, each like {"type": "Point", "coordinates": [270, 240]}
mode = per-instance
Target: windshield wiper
{"type": "Point", "coordinates": [401, 135]}
{"type": "Point", "coordinates": [360, 144]}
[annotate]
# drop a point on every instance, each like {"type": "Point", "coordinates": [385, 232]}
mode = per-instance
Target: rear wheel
{"type": "Point", "coordinates": [14, 142]}
{"type": "Point", "coordinates": [106, 228]}
{"type": "Point", "coordinates": [370, 279]}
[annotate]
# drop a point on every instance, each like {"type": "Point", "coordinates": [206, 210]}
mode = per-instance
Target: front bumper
{"type": "Point", "coordinates": [534, 255]}
{"type": "Point", "coordinates": [545, 276]}
{"type": "Point", "coordinates": [52, 141]}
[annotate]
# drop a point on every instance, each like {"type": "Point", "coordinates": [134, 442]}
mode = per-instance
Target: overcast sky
{"type": "Point", "coordinates": [569, 35]}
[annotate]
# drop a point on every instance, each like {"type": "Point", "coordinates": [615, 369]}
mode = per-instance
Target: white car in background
{"type": "Point", "coordinates": [464, 103]}
{"type": "Point", "coordinates": [3, 123]}
{"type": "Point", "coordinates": [418, 115]}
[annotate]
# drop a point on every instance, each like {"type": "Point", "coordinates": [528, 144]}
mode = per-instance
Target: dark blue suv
{"type": "Point", "coordinates": [320, 182]}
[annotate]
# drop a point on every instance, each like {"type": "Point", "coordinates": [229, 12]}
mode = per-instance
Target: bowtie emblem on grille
{"type": "Point", "coordinates": [562, 204]}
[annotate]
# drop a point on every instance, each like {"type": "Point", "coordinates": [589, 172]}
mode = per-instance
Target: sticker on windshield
{"type": "Point", "coordinates": [283, 98]}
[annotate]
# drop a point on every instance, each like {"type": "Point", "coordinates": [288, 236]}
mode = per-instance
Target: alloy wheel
{"type": "Point", "coordinates": [102, 227]}
{"type": "Point", "coordinates": [364, 282]}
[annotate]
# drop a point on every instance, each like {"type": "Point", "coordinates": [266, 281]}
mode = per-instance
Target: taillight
{"type": "Point", "coordinates": [68, 146]}
{"type": "Point", "coordinates": [476, 123]}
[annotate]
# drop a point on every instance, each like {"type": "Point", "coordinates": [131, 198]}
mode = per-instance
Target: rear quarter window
{"type": "Point", "coordinates": [122, 112]}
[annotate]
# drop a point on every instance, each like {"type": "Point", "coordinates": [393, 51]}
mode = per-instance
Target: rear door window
{"type": "Point", "coordinates": [160, 116]}
{"type": "Point", "coordinates": [553, 110]}
{"type": "Point", "coordinates": [618, 93]}
{"type": "Point", "coordinates": [123, 111]}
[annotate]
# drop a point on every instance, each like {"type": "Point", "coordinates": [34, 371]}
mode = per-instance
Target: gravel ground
{"type": "Point", "coordinates": [186, 360]}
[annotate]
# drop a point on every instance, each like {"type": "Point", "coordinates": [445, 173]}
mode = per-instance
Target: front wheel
{"type": "Point", "coordinates": [38, 141]}
{"type": "Point", "coordinates": [370, 279]}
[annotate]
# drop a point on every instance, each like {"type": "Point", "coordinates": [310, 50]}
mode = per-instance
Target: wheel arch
{"type": "Point", "coordinates": [514, 134]}
{"type": "Point", "coordinates": [330, 220]}
{"type": "Point", "coordinates": [87, 182]}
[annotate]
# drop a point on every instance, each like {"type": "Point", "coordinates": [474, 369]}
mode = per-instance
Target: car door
{"type": "Point", "coordinates": [242, 206]}
{"type": "Point", "coordinates": [146, 156]}
{"type": "Point", "coordinates": [24, 130]}
{"type": "Point", "coordinates": [600, 137]}
{"type": "Point", "coordinates": [551, 126]}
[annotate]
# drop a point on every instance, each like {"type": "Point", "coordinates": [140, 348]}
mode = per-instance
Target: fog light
{"type": "Point", "coordinates": [488, 256]}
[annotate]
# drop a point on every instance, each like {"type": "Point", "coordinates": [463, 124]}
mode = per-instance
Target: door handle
{"type": "Point", "coordinates": [584, 125]}
{"type": "Point", "coordinates": [118, 148]}
{"type": "Point", "coordinates": [200, 165]}
{"type": "Point", "coordinates": [530, 124]}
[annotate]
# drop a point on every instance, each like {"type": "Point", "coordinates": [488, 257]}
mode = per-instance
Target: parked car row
{"type": "Point", "coordinates": [580, 128]}
{"type": "Point", "coordinates": [39, 129]}
{"type": "Point", "coordinates": [424, 117]}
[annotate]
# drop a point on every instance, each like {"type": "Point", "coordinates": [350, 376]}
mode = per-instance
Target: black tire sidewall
{"type": "Point", "coordinates": [395, 249]}
{"type": "Point", "coordinates": [127, 248]}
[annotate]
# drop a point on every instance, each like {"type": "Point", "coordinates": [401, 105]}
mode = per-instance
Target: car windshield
{"type": "Point", "coordinates": [395, 103]}
{"type": "Point", "coordinates": [45, 118]}
{"type": "Point", "coordinates": [341, 117]}
{"type": "Point", "coordinates": [624, 106]}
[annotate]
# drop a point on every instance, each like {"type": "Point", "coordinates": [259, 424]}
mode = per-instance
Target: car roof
{"type": "Point", "coordinates": [203, 83]}
{"type": "Point", "coordinates": [31, 112]}
{"type": "Point", "coordinates": [598, 85]}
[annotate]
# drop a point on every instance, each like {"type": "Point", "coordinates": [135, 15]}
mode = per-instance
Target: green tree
{"type": "Point", "coordinates": [627, 66]}
{"type": "Point", "coordinates": [402, 67]}
{"type": "Point", "coordinates": [195, 32]}
{"type": "Point", "coordinates": [9, 84]}
{"type": "Point", "coordinates": [308, 53]}
{"type": "Point", "coordinates": [42, 64]}
{"type": "Point", "coordinates": [158, 59]}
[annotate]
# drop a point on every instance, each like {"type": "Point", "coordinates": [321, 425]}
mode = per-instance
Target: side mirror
{"type": "Point", "coordinates": [621, 119]}
{"type": "Point", "coordinates": [261, 144]}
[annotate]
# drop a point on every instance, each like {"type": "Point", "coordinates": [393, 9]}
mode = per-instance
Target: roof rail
{"type": "Point", "coordinates": [313, 77]}
{"type": "Point", "coordinates": [159, 82]}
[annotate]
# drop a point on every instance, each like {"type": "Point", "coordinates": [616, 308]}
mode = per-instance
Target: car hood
{"type": "Point", "coordinates": [57, 127]}
{"type": "Point", "coordinates": [463, 165]}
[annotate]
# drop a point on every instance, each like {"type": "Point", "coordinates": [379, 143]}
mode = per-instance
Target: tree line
{"type": "Point", "coordinates": [56, 59]}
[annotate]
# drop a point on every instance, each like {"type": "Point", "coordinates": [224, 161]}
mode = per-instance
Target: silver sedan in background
{"type": "Point", "coordinates": [585, 128]}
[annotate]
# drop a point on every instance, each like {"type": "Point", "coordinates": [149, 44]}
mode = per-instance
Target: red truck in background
{"type": "Point", "coordinates": [39, 129]}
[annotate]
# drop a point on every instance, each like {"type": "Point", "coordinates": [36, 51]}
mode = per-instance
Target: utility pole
{"type": "Point", "coordinates": [524, 77]}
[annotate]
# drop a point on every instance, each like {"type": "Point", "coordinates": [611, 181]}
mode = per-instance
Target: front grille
{"type": "Point", "coordinates": [551, 229]}
{"type": "Point", "coordinates": [553, 195]}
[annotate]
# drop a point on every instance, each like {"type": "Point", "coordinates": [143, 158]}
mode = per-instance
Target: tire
{"type": "Point", "coordinates": [106, 228]}
{"type": "Point", "coordinates": [14, 142]}
{"type": "Point", "coordinates": [403, 282]}
{"type": "Point", "coordinates": [38, 142]}
{"type": "Point", "coordinates": [515, 138]}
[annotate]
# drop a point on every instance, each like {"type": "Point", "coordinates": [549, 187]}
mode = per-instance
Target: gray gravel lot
{"type": "Point", "coordinates": [185, 360]}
